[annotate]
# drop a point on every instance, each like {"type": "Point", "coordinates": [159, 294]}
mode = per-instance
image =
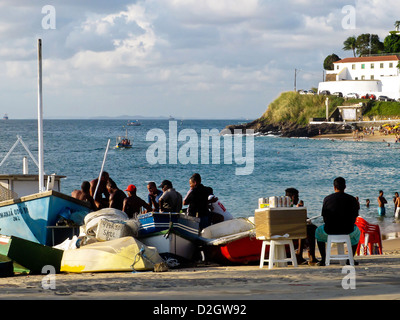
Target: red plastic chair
{"type": "Point", "coordinates": [370, 235]}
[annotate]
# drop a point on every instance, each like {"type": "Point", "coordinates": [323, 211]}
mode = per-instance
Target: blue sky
{"type": "Point", "coordinates": [186, 58]}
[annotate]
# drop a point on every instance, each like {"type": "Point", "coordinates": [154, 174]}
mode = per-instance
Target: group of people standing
{"type": "Point", "coordinates": [199, 200]}
{"type": "Point", "coordinates": [382, 202]}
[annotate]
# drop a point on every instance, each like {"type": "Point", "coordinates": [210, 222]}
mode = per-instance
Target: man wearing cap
{"type": "Point", "coordinates": [132, 204]}
{"type": "Point", "coordinates": [170, 200]}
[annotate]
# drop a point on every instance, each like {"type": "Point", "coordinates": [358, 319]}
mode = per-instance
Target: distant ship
{"type": "Point", "coordinates": [134, 123]}
{"type": "Point", "coordinates": [171, 118]}
{"type": "Point", "coordinates": [5, 117]}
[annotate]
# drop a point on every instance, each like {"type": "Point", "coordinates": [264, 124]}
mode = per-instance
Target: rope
{"type": "Point", "coordinates": [140, 254]}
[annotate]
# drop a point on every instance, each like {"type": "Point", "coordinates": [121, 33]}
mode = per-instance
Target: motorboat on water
{"type": "Point", "coordinates": [134, 123]}
{"type": "Point", "coordinates": [123, 142]}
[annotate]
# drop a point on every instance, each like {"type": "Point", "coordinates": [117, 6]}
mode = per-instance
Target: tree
{"type": "Point", "coordinates": [329, 60]}
{"type": "Point", "coordinates": [392, 43]}
{"type": "Point", "coordinates": [368, 44]}
{"type": "Point", "coordinates": [397, 26]}
{"type": "Point", "coordinates": [350, 44]}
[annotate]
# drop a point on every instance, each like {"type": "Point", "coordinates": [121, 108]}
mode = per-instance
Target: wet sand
{"type": "Point", "coordinates": [376, 277]}
{"type": "Point", "coordinates": [377, 137]}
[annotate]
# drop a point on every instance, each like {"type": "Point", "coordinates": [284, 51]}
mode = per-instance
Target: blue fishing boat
{"type": "Point", "coordinates": [32, 217]}
{"type": "Point", "coordinates": [175, 235]}
{"type": "Point", "coordinates": [153, 222]}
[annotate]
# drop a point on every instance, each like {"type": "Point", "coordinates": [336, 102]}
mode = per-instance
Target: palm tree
{"type": "Point", "coordinates": [350, 44]}
{"type": "Point", "coordinates": [397, 25]}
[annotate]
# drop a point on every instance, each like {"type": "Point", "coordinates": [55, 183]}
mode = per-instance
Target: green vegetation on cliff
{"type": "Point", "coordinates": [383, 109]}
{"type": "Point", "coordinates": [293, 108]}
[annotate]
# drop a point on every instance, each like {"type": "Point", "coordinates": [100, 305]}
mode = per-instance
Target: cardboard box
{"type": "Point", "coordinates": [273, 222]}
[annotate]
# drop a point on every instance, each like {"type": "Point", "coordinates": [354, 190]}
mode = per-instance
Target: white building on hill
{"type": "Point", "coordinates": [378, 75]}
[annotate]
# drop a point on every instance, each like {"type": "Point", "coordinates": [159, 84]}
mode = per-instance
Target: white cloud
{"type": "Point", "coordinates": [207, 10]}
{"type": "Point", "coordinates": [205, 55]}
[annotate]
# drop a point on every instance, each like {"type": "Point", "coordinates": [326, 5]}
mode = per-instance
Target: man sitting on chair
{"type": "Point", "coordinates": [339, 211]}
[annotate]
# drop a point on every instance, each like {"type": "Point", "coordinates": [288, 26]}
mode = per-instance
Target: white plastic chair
{"type": "Point", "coordinates": [277, 253]}
{"type": "Point", "coordinates": [340, 240]}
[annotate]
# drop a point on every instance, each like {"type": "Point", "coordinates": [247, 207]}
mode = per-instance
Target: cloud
{"type": "Point", "coordinates": [205, 55]}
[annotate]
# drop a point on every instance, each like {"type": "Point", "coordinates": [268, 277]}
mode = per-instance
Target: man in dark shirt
{"type": "Point", "coordinates": [339, 211]}
{"type": "Point", "coordinates": [132, 204]}
{"type": "Point", "coordinates": [197, 200]}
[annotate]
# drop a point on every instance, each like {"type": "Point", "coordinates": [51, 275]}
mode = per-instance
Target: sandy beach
{"type": "Point", "coordinates": [377, 137]}
{"type": "Point", "coordinates": [376, 277]}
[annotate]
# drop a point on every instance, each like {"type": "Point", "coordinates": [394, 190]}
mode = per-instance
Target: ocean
{"type": "Point", "coordinates": [175, 150]}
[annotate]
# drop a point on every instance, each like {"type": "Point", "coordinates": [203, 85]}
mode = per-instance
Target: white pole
{"type": "Point", "coordinates": [25, 169]}
{"type": "Point", "coordinates": [102, 168]}
{"type": "Point", "coordinates": [40, 118]}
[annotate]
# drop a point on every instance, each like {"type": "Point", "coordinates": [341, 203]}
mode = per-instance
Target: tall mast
{"type": "Point", "coordinates": [40, 119]}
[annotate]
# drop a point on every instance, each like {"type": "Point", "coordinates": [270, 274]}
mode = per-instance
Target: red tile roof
{"type": "Point", "coordinates": [370, 59]}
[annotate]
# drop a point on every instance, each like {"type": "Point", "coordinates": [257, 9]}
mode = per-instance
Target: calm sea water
{"type": "Point", "coordinates": [75, 148]}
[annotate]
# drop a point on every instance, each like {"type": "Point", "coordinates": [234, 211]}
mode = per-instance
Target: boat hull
{"type": "Point", "coordinates": [173, 234]}
{"type": "Point", "coordinates": [30, 255]}
{"type": "Point", "coordinates": [29, 217]}
{"type": "Point", "coordinates": [119, 255]}
{"type": "Point", "coordinates": [150, 223]}
{"type": "Point", "coordinates": [171, 245]}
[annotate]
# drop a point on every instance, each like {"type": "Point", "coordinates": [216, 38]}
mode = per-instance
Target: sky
{"type": "Point", "coordinates": [209, 59]}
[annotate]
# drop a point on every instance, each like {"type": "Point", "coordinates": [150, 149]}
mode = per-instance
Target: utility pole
{"type": "Point", "coordinates": [295, 80]}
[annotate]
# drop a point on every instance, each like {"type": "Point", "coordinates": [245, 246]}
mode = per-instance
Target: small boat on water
{"type": "Point", "coordinates": [134, 123]}
{"type": "Point", "coordinates": [123, 142]}
{"type": "Point", "coordinates": [5, 117]}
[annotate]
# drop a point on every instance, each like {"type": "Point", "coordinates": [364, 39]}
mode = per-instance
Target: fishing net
{"type": "Point", "coordinates": [6, 194]}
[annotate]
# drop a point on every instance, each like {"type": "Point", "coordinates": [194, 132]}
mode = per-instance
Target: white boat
{"type": "Point", "coordinates": [119, 255]}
